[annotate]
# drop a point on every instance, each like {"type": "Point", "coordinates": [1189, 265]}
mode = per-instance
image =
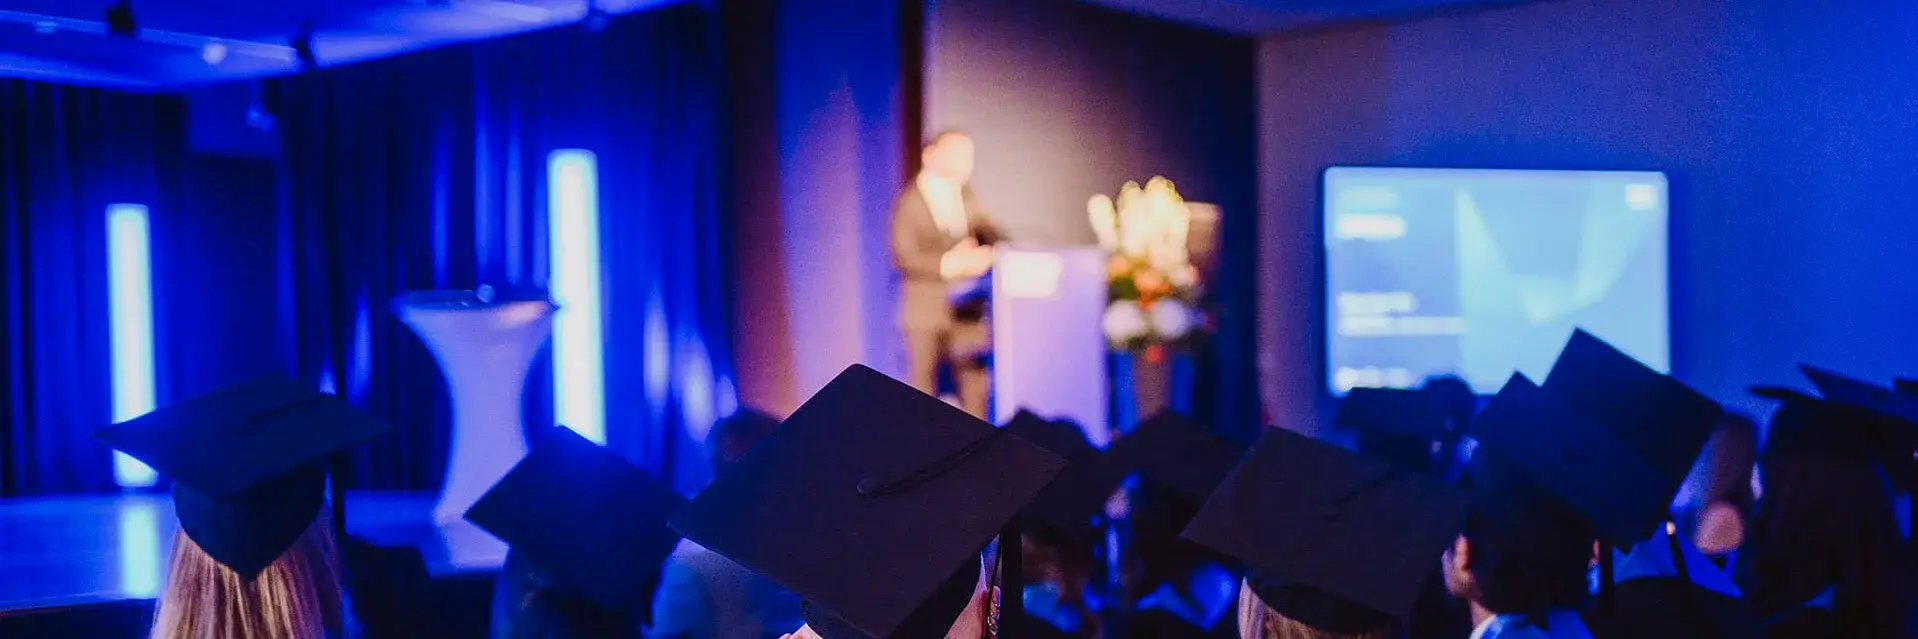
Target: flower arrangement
{"type": "Point", "coordinates": [1151, 283]}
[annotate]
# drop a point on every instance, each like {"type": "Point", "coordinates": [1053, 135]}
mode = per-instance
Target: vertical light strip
{"type": "Point", "coordinates": [130, 299]}
{"type": "Point", "coordinates": [139, 530]}
{"type": "Point", "coordinates": [572, 217]}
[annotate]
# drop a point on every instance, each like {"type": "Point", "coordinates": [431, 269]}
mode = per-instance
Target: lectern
{"type": "Point", "coordinates": [1049, 355]}
{"type": "Point", "coordinates": [485, 347]}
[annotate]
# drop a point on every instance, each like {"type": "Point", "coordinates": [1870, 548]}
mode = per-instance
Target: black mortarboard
{"type": "Point", "coordinates": [1332, 539]}
{"type": "Point", "coordinates": [1899, 411]}
{"type": "Point", "coordinates": [246, 462]}
{"type": "Point", "coordinates": [1574, 458]}
{"type": "Point", "coordinates": [586, 518]}
{"type": "Point", "coordinates": [1172, 450]}
{"type": "Point", "coordinates": [1661, 420]}
{"type": "Point", "coordinates": [872, 502]}
{"type": "Point", "coordinates": [1807, 425]}
{"type": "Point", "coordinates": [1853, 420]}
{"type": "Point", "coordinates": [1071, 502]}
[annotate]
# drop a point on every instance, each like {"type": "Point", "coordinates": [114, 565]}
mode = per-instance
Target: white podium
{"type": "Point", "coordinates": [484, 350]}
{"type": "Point", "coordinates": [1048, 354]}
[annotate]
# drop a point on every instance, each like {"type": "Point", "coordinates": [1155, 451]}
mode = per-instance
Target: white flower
{"type": "Point", "coordinates": [1137, 229]}
{"type": "Point", "coordinates": [1105, 221]}
{"type": "Point", "coordinates": [1170, 319]}
{"type": "Point", "coordinates": [1123, 322]}
{"type": "Point", "coordinates": [1183, 277]}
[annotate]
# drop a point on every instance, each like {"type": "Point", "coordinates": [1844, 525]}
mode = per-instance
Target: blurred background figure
{"type": "Point", "coordinates": [1823, 556]}
{"type": "Point", "coordinates": [1458, 403]}
{"type": "Point", "coordinates": [941, 239]}
{"type": "Point", "coordinates": [704, 595]}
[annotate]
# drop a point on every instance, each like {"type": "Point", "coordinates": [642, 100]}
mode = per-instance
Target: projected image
{"type": "Point", "coordinates": [1480, 273]}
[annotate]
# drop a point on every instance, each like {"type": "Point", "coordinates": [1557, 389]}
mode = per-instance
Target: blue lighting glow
{"type": "Point", "coordinates": [572, 217]}
{"type": "Point", "coordinates": [130, 295]}
{"type": "Point", "coordinates": [140, 555]}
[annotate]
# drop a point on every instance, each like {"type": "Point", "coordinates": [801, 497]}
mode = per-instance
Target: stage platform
{"type": "Point", "coordinates": [89, 556]}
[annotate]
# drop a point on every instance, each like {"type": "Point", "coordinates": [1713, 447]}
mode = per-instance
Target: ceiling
{"type": "Point", "coordinates": [187, 42]}
{"type": "Point", "coordinates": [1253, 17]}
{"type": "Point", "coordinates": [184, 42]}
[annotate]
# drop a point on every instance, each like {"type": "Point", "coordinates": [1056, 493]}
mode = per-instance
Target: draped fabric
{"type": "Point", "coordinates": [65, 155]}
{"type": "Point", "coordinates": [428, 171]}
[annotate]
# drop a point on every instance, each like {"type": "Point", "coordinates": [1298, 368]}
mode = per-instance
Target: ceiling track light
{"type": "Point", "coordinates": [596, 18]}
{"type": "Point", "coordinates": [120, 21]}
{"type": "Point", "coordinates": [302, 42]}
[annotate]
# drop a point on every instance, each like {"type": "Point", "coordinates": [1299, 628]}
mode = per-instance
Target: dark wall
{"type": "Point", "coordinates": [817, 95]}
{"type": "Point", "coordinates": [216, 268]}
{"type": "Point", "coordinates": [1066, 100]}
{"type": "Point", "coordinates": [1781, 122]}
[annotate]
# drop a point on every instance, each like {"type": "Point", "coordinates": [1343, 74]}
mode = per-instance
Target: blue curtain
{"type": "Point", "coordinates": [428, 171]}
{"type": "Point", "coordinates": [65, 154]}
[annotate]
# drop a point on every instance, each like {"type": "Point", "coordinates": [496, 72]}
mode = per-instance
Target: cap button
{"type": "Point", "coordinates": [868, 486]}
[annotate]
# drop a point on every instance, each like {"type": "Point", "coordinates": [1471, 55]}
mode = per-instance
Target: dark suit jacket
{"type": "Point", "coordinates": [917, 245]}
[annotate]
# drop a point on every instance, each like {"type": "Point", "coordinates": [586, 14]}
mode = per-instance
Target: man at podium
{"type": "Point", "coordinates": [942, 244]}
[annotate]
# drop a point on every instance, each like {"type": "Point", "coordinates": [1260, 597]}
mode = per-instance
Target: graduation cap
{"type": "Point", "coordinates": [1898, 411]}
{"type": "Point", "coordinates": [1852, 420]}
{"type": "Point", "coordinates": [1575, 459]}
{"type": "Point", "coordinates": [1078, 496]}
{"type": "Point", "coordinates": [1657, 418]}
{"type": "Point", "coordinates": [584, 517]}
{"type": "Point", "coordinates": [1172, 450]}
{"type": "Point", "coordinates": [872, 502]}
{"type": "Point", "coordinates": [1332, 539]}
{"type": "Point", "coordinates": [247, 463]}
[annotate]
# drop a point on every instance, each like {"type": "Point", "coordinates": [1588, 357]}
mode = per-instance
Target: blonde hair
{"type": "Point", "coordinates": [1259, 621]}
{"type": "Point", "coordinates": [298, 596]}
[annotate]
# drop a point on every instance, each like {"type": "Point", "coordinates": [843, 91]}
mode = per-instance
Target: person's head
{"type": "Point", "coordinates": [1260, 621]}
{"type": "Point", "coordinates": [735, 434]}
{"type": "Point", "coordinates": [1728, 461]}
{"type": "Point", "coordinates": [538, 607]}
{"type": "Point", "coordinates": [1522, 551]}
{"type": "Point", "coordinates": [1723, 478]}
{"type": "Point", "coordinates": [587, 533]}
{"type": "Point", "coordinates": [948, 154]}
{"type": "Point", "coordinates": [1825, 521]}
{"type": "Point", "coordinates": [1455, 397]}
{"type": "Point", "coordinates": [297, 596]}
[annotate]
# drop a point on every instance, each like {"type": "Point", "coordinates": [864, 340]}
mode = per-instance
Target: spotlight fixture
{"type": "Point", "coordinates": [120, 19]}
{"type": "Point", "coordinates": [596, 18]}
{"type": "Point", "coordinates": [213, 53]}
{"type": "Point", "coordinates": [302, 42]}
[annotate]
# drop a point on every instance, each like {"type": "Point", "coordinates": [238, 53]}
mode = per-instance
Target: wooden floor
{"type": "Point", "coordinates": [80, 551]}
